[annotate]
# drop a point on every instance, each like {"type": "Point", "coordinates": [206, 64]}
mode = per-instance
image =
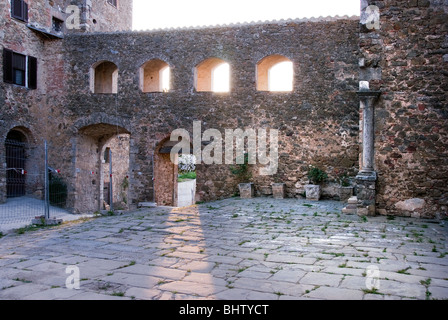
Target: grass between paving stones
{"type": "Point", "coordinates": [34, 227]}
{"type": "Point", "coordinates": [372, 291]}
{"type": "Point", "coordinates": [426, 283]}
{"type": "Point", "coordinates": [333, 227]}
{"type": "Point", "coordinates": [404, 271]}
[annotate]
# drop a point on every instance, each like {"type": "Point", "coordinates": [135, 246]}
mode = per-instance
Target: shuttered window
{"type": "Point", "coordinates": [19, 10]}
{"type": "Point", "coordinates": [19, 69]}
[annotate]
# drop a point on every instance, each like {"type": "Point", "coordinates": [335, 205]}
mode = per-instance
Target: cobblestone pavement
{"type": "Point", "coordinates": [235, 249]}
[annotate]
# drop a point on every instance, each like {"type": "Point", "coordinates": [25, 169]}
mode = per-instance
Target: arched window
{"type": "Point", "coordinates": [212, 74]}
{"type": "Point", "coordinates": [155, 76]}
{"type": "Point", "coordinates": [275, 73]}
{"type": "Point", "coordinates": [104, 77]}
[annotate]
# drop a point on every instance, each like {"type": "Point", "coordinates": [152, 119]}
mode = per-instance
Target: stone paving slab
{"type": "Point", "coordinates": [331, 293]}
{"type": "Point", "coordinates": [261, 248]}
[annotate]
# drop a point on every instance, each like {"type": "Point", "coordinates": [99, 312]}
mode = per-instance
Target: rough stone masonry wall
{"type": "Point", "coordinates": [407, 59]}
{"type": "Point", "coordinates": [119, 145]}
{"type": "Point", "coordinates": [317, 122]}
{"type": "Point", "coordinates": [19, 107]}
{"type": "Point", "coordinates": [34, 111]}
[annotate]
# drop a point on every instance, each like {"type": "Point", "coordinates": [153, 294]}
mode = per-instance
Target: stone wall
{"type": "Point", "coordinates": [41, 113]}
{"type": "Point", "coordinates": [119, 145]}
{"type": "Point", "coordinates": [407, 59]}
{"type": "Point", "coordinates": [103, 16]}
{"type": "Point", "coordinates": [317, 121]}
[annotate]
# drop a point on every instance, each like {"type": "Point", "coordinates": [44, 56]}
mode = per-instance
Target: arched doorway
{"type": "Point", "coordinates": [168, 188]}
{"type": "Point", "coordinates": [102, 168]}
{"type": "Point", "coordinates": [15, 150]}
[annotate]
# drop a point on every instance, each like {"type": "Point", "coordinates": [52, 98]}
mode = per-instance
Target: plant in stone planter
{"type": "Point", "coordinates": [242, 171]}
{"type": "Point", "coordinates": [316, 176]}
{"type": "Point", "coordinates": [344, 180]}
{"type": "Point", "coordinates": [345, 189]}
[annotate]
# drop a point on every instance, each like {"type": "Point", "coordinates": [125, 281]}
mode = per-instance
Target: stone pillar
{"type": "Point", "coordinates": [366, 177]}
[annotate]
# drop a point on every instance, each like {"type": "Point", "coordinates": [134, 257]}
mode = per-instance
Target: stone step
{"type": "Point", "coordinates": [146, 204]}
{"type": "Point", "coordinates": [352, 206]}
{"type": "Point", "coordinates": [353, 200]}
{"type": "Point", "coordinates": [348, 210]}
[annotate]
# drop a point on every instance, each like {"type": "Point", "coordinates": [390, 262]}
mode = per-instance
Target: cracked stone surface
{"type": "Point", "coordinates": [239, 249]}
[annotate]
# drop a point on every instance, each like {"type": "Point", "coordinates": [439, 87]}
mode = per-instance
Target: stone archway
{"type": "Point", "coordinates": [92, 167]}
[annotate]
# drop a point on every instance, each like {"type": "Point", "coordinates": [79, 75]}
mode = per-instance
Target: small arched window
{"type": "Point", "coordinates": [275, 73]}
{"type": "Point", "coordinates": [212, 74]}
{"type": "Point", "coordinates": [155, 76]}
{"type": "Point", "coordinates": [104, 77]}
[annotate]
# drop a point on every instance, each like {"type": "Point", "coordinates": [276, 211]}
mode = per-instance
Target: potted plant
{"type": "Point", "coordinates": [246, 188]}
{"type": "Point", "coordinates": [316, 176]}
{"type": "Point", "coordinates": [345, 189]}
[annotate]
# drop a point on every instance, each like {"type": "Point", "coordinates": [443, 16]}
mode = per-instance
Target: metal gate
{"type": "Point", "coordinates": [15, 168]}
{"type": "Point", "coordinates": [33, 189]}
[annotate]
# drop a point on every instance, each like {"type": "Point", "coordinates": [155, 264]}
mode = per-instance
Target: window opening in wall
{"type": "Point", "coordinates": [275, 73]}
{"type": "Point", "coordinates": [19, 10]}
{"type": "Point", "coordinates": [220, 78]}
{"type": "Point", "coordinates": [155, 76]}
{"type": "Point", "coordinates": [280, 77]}
{"type": "Point", "coordinates": [165, 79]}
{"type": "Point", "coordinates": [19, 69]}
{"type": "Point", "coordinates": [106, 155]}
{"type": "Point", "coordinates": [213, 75]}
{"type": "Point", "coordinates": [57, 24]}
{"type": "Point", "coordinates": [104, 78]}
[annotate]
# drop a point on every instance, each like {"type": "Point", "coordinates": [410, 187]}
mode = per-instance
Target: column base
{"type": "Point", "coordinates": [366, 192]}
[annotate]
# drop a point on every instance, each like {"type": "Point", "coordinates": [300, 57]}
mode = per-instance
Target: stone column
{"type": "Point", "coordinates": [366, 178]}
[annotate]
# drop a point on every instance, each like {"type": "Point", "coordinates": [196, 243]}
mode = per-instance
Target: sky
{"type": "Point", "coordinates": [155, 14]}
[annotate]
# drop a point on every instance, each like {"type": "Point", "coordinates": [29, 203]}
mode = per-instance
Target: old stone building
{"type": "Point", "coordinates": [101, 87]}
